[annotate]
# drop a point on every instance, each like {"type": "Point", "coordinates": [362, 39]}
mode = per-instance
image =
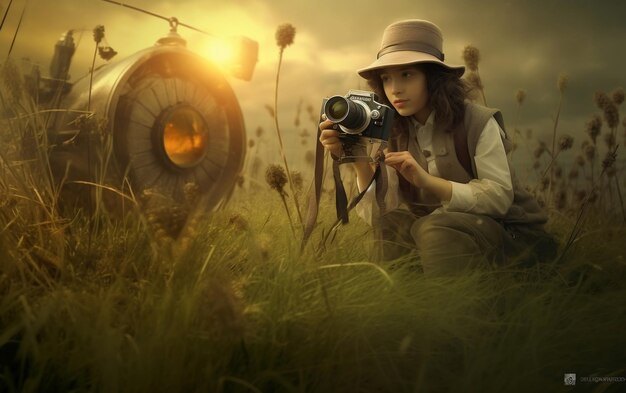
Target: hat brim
{"type": "Point", "coordinates": [400, 58]}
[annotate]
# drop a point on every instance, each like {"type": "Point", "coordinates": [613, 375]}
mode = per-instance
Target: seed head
{"type": "Point", "coordinates": [611, 115]}
{"type": "Point", "coordinates": [529, 133]}
{"type": "Point", "coordinates": [580, 195]}
{"type": "Point", "coordinates": [520, 96]}
{"type": "Point", "coordinates": [573, 173]}
{"type": "Point", "coordinates": [558, 172]}
{"type": "Point", "coordinates": [259, 131]}
{"type": "Point", "coordinates": [566, 142]}
{"type": "Point", "coordinates": [539, 151]}
{"type": "Point", "coordinates": [276, 178]}
{"type": "Point", "coordinates": [98, 33]}
{"type": "Point", "coordinates": [284, 35]}
{"type": "Point", "coordinates": [594, 126]}
{"type": "Point", "coordinates": [251, 143]}
{"type": "Point", "coordinates": [536, 165]}
{"type": "Point", "coordinates": [471, 56]}
{"type": "Point", "coordinates": [601, 99]}
{"type": "Point", "coordinates": [618, 96]}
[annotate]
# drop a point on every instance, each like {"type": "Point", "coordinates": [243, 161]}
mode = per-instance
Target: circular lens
{"type": "Point", "coordinates": [185, 137]}
{"type": "Point", "coordinates": [338, 109]}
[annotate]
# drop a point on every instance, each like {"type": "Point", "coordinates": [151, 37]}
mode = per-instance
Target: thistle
{"type": "Point", "coordinates": [471, 56]}
{"type": "Point", "coordinates": [594, 126]}
{"type": "Point", "coordinates": [601, 99]}
{"type": "Point", "coordinates": [566, 142]}
{"type": "Point", "coordinates": [276, 178]}
{"type": "Point", "coordinates": [285, 34]}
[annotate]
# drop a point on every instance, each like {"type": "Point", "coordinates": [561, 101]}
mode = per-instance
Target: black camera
{"type": "Point", "coordinates": [358, 115]}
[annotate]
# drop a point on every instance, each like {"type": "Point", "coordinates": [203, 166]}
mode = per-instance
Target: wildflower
{"type": "Point", "coordinates": [98, 33]}
{"type": "Point", "coordinates": [590, 152]}
{"type": "Point", "coordinates": [594, 126]}
{"type": "Point", "coordinates": [609, 139]}
{"type": "Point", "coordinates": [471, 56]}
{"type": "Point", "coordinates": [285, 34]}
{"type": "Point", "coordinates": [566, 142]}
{"type": "Point", "coordinates": [276, 178]}
{"type": "Point", "coordinates": [562, 83]}
{"type": "Point", "coordinates": [611, 115]}
{"type": "Point", "coordinates": [618, 96]}
{"type": "Point", "coordinates": [520, 96]}
{"type": "Point", "coordinates": [601, 99]}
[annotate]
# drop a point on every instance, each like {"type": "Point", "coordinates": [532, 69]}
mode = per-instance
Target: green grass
{"type": "Point", "coordinates": [117, 304]}
{"type": "Point", "coordinates": [236, 308]}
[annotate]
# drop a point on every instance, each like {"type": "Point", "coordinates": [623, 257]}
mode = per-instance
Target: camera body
{"type": "Point", "coordinates": [360, 114]}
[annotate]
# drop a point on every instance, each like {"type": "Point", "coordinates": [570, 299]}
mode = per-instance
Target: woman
{"type": "Point", "coordinates": [452, 195]}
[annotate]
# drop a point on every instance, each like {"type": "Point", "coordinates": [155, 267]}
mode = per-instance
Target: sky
{"type": "Point", "coordinates": [523, 45]}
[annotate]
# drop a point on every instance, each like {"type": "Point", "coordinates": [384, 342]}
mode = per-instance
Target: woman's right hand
{"type": "Point", "coordinates": [329, 138]}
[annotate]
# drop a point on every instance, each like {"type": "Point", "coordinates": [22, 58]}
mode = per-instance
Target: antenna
{"type": "Point", "coordinates": [170, 20]}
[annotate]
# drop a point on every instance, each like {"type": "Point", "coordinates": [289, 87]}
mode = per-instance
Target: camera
{"type": "Point", "coordinates": [358, 115]}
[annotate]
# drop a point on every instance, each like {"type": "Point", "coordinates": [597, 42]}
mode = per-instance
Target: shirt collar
{"type": "Point", "coordinates": [429, 122]}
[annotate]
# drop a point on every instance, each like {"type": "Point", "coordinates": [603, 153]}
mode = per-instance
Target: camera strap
{"type": "Point", "coordinates": [341, 200]}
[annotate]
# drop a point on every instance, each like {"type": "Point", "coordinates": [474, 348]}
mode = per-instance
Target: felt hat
{"type": "Point", "coordinates": [407, 42]}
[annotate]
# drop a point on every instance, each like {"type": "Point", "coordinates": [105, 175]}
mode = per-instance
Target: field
{"type": "Point", "coordinates": [172, 300]}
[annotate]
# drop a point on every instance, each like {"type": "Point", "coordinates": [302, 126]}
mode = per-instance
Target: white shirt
{"type": "Point", "coordinates": [490, 194]}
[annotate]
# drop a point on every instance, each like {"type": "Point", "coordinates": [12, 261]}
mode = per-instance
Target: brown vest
{"type": "Point", "coordinates": [455, 161]}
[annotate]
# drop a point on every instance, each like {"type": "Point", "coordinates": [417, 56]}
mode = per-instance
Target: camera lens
{"type": "Point", "coordinates": [351, 115]}
{"type": "Point", "coordinates": [338, 109]}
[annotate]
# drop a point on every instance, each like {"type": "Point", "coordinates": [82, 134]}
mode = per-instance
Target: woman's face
{"type": "Point", "coordinates": [405, 88]}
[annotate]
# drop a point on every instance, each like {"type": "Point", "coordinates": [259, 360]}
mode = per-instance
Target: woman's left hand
{"type": "Point", "coordinates": [403, 162]}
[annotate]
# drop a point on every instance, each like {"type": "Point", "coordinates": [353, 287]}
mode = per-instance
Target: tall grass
{"type": "Point", "coordinates": [228, 303]}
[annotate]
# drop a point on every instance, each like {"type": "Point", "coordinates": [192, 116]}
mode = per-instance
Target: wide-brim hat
{"type": "Point", "coordinates": [408, 42]}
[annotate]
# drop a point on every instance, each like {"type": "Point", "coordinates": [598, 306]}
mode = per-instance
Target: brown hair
{"type": "Point", "coordinates": [446, 94]}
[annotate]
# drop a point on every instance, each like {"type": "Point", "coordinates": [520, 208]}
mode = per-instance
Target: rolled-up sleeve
{"type": "Point", "coordinates": [492, 192]}
{"type": "Point", "coordinates": [367, 208]}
